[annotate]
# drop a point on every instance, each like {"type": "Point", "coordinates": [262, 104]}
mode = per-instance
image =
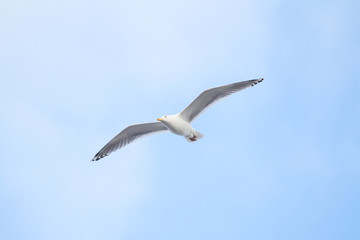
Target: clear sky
{"type": "Point", "coordinates": [280, 160]}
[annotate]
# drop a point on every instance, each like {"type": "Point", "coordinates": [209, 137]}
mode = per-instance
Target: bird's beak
{"type": "Point", "coordinates": [159, 119]}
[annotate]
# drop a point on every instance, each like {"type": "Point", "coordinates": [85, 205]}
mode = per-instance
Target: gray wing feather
{"type": "Point", "coordinates": [128, 135]}
{"type": "Point", "coordinates": [210, 96]}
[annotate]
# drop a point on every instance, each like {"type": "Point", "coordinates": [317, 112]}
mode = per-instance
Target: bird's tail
{"type": "Point", "coordinates": [199, 135]}
{"type": "Point", "coordinates": [196, 137]}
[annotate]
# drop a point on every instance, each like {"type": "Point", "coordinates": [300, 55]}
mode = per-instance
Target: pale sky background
{"type": "Point", "coordinates": [280, 160]}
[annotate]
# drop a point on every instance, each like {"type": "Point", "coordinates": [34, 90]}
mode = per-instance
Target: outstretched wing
{"type": "Point", "coordinates": [210, 96]}
{"type": "Point", "coordinates": [128, 135]}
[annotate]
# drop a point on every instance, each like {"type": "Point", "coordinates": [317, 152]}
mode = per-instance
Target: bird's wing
{"type": "Point", "coordinates": [210, 96]}
{"type": "Point", "coordinates": [128, 135]}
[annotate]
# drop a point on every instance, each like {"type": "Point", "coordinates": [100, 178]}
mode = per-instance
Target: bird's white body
{"type": "Point", "coordinates": [177, 125]}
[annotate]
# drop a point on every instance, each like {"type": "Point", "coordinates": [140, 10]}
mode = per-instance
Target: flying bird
{"type": "Point", "coordinates": [179, 123]}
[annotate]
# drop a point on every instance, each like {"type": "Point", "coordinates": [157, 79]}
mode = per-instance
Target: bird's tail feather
{"type": "Point", "coordinates": [198, 135]}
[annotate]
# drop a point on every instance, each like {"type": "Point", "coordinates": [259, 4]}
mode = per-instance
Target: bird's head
{"type": "Point", "coordinates": [163, 118]}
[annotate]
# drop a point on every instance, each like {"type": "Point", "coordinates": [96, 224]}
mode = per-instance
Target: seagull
{"type": "Point", "coordinates": [179, 123]}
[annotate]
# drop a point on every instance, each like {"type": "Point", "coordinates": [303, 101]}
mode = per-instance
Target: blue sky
{"type": "Point", "coordinates": [278, 161]}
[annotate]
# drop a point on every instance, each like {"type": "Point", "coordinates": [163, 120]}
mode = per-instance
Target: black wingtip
{"type": "Point", "coordinates": [256, 81]}
{"type": "Point", "coordinates": [97, 157]}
